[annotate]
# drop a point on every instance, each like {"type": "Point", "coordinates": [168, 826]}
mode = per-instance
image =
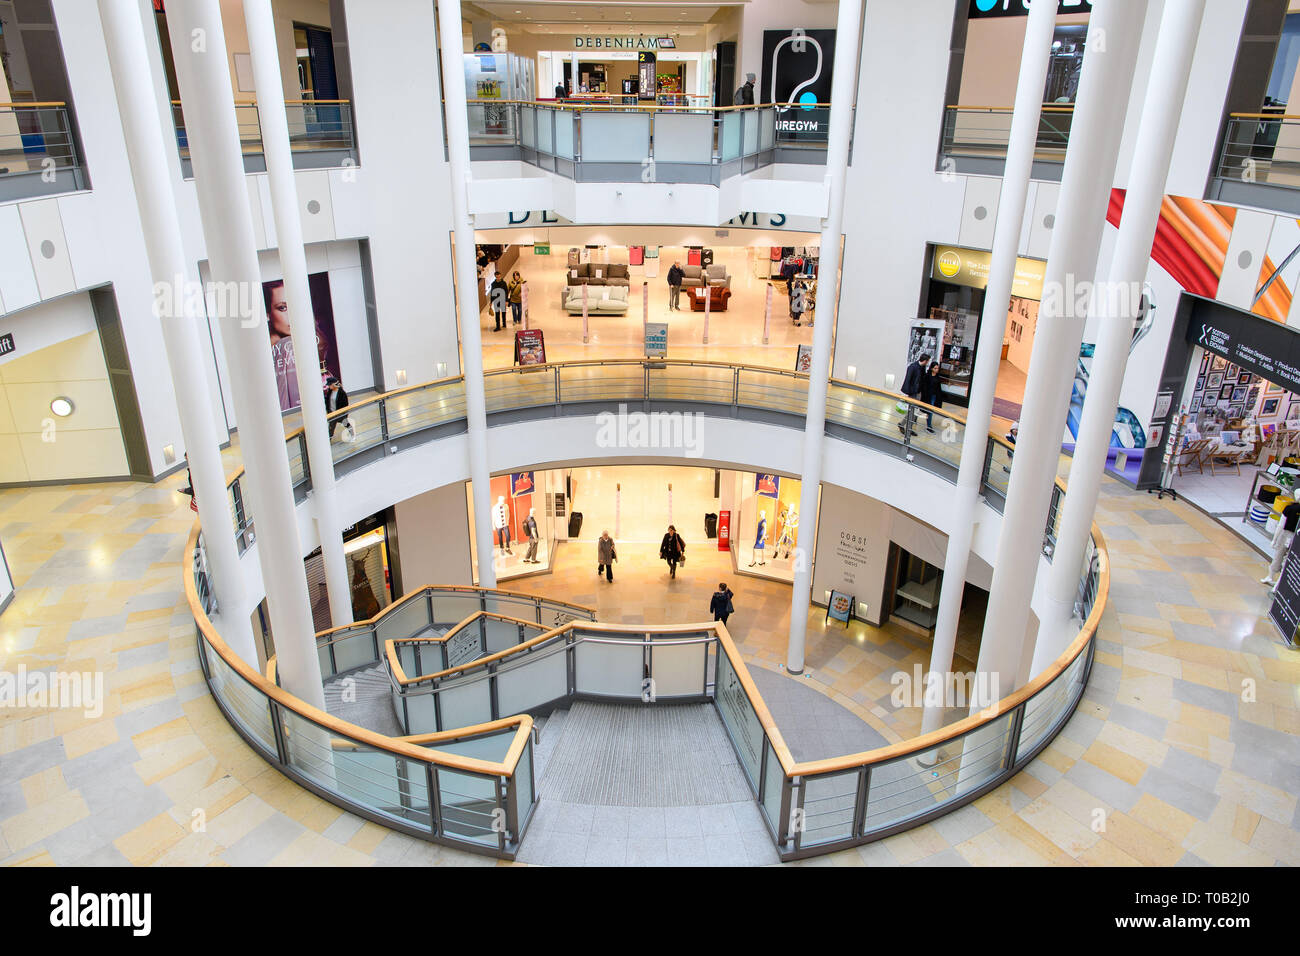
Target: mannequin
{"type": "Point", "coordinates": [501, 524]}
{"type": "Point", "coordinates": [530, 531]}
{"type": "Point", "coordinates": [789, 523]}
{"type": "Point", "coordinates": [1286, 529]}
{"type": "Point", "coordinates": [760, 540]}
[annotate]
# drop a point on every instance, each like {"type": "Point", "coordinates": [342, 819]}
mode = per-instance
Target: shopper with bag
{"type": "Point", "coordinates": [720, 605]}
{"type": "Point", "coordinates": [913, 382]}
{"type": "Point", "coordinates": [335, 399]}
{"type": "Point", "coordinates": [605, 556]}
{"type": "Point", "coordinates": [673, 550]}
{"type": "Point", "coordinates": [516, 290]}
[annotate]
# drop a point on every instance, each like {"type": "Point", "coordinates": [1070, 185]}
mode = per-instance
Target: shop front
{"type": "Point", "coordinates": [1225, 429]}
{"type": "Point", "coordinates": [949, 324]}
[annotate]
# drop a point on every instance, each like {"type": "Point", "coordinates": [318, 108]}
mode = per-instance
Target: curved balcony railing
{"type": "Point", "coordinates": [472, 787]}
{"type": "Point", "coordinates": [605, 142]}
{"type": "Point", "coordinates": [975, 138]}
{"type": "Point", "coordinates": [38, 151]}
{"type": "Point", "coordinates": [858, 413]}
{"type": "Point", "coordinates": [320, 134]}
{"type": "Point", "coordinates": [810, 807]}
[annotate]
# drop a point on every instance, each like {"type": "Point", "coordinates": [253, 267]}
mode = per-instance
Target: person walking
{"type": "Point", "coordinates": [516, 290]}
{"type": "Point", "coordinates": [745, 95]}
{"type": "Point", "coordinates": [605, 556]}
{"type": "Point", "coordinates": [335, 398]}
{"type": "Point", "coordinates": [675, 277]}
{"type": "Point", "coordinates": [913, 380]}
{"type": "Point", "coordinates": [673, 550]}
{"type": "Point", "coordinates": [1281, 543]}
{"type": "Point", "coordinates": [720, 605]}
{"type": "Point", "coordinates": [499, 300]}
{"type": "Point", "coordinates": [932, 393]}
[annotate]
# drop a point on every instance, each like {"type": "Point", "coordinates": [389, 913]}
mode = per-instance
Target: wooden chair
{"type": "Point", "coordinates": [1192, 454]}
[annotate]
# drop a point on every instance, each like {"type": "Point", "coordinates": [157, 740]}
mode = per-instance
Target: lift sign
{"type": "Point", "coordinates": [6, 343]}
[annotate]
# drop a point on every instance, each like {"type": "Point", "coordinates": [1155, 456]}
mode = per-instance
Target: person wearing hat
{"type": "Point", "coordinates": [745, 95]}
{"type": "Point", "coordinates": [335, 398]}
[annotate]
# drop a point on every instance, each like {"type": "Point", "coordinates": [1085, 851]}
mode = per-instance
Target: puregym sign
{"type": "Point", "coordinates": [980, 9]}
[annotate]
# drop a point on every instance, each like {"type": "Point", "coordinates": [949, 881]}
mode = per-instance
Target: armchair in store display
{"type": "Point", "coordinates": [696, 277]}
{"type": "Point", "coordinates": [717, 294]}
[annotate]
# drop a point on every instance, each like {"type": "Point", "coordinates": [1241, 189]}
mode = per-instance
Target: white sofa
{"type": "Point", "coordinates": [601, 299]}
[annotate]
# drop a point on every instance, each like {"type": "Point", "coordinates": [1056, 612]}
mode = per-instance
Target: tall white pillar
{"type": "Point", "coordinates": [203, 74]}
{"type": "Point", "coordinates": [1115, 306]}
{"type": "Point", "coordinates": [471, 335]}
{"type": "Point", "coordinates": [179, 317]}
{"type": "Point", "coordinates": [1113, 31]}
{"type": "Point", "coordinates": [828, 282]}
{"type": "Point", "coordinates": [274, 123]}
{"type": "Point", "coordinates": [988, 354]}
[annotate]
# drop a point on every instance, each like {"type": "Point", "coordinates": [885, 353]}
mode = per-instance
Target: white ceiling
{"type": "Point", "coordinates": [536, 17]}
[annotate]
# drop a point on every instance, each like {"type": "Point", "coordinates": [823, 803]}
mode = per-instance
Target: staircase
{"type": "Point", "coordinates": [370, 700]}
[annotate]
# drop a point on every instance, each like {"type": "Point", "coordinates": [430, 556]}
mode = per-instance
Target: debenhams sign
{"type": "Point", "coordinates": [623, 43]}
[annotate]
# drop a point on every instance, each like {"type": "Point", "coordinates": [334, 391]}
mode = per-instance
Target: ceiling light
{"type": "Point", "coordinates": [62, 407]}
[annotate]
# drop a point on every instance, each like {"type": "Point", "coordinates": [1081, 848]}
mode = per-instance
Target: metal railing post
{"type": "Point", "coordinates": [383, 419]}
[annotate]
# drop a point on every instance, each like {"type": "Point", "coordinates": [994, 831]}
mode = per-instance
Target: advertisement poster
{"type": "Point", "coordinates": [803, 359]}
{"type": "Point", "coordinates": [840, 607]}
{"type": "Point", "coordinates": [645, 71]}
{"type": "Point", "coordinates": [530, 347]}
{"type": "Point", "coordinates": [724, 531]}
{"type": "Point", "coordinates": [656, 340]}
{"type": "Point", "coordinates": [521, 483]}
{"type": "Point", "coordinates": [785, 532]}
{"type": "Point", "coordinates": [767, 485]}
{"type": "Point", "coordinates": [797, 76]}
{"type": "Point", "coordinates": [924, 339]}
{"type": "Point", "coordinates": [277, 326]}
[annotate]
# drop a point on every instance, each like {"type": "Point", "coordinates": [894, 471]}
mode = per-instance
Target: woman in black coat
{"type": "Point", "coordinates": [932, 392]}
{"type": "Point", "coordinates": [672, 550]}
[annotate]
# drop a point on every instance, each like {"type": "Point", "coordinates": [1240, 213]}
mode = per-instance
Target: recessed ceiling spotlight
{"type": "Point", "coordinates": [62, 407]}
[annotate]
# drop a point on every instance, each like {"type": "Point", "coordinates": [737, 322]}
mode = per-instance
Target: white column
{"type": "Point", "coordinates": [179, 316]}
{"type": "Point", "coordinates": [837, 158]}
{"type": "Point", "coordinates": [293, 261]}
{"type": "Point", "coordinates": [1115, 306]}
{"type": "Point", "coordinates": [471, 335]}
{"type": "Point", "coordinates": [1080, 215]}
{"type": "Point", "coordinates": [993, 322]}
{"type": "Point", "coordinates": [199, 50]}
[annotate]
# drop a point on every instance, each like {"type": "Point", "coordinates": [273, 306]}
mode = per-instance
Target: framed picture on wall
{"type": "Point", "coordinates": [1239, 393]}
{"type": "Point", "coordinates": [1271, 389]}
{"type": "Point", "coordinates": [1225, 393]}
{"type": "Point", "coordinates": [1218, 363]}
{"type": "Point", "coordinates": [1230, 373]}
{"type": "Point", "coordinates": [1245, 378]}
{"type": "Point", "coordinates": [1200, 383]}
{"type": "Point", "coordinates": [1205, 363]}
{"type": "Point", "coordinates": [1270, 407]}
{"type": "Point", "coordinates": [1293, 410]}
{"type": "Point", "coordinates": [1155, 434]}
{"type": "Point", "coordinates": [1213, 381]}
{"type": "Point", "coordinates": [1252, 399]}
{"type": "Point", "coordinates": [1195, 405]}
{"type": "Point", "coordinates": [1234, 411]}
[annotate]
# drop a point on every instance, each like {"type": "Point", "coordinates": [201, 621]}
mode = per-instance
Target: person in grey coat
{"type": "Point", "coordinates": [605, 556]}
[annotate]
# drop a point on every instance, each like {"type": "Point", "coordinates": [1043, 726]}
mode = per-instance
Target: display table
{"type": "Point", "coordinates": [718, 296]}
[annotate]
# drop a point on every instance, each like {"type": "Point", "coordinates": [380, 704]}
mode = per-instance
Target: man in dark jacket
{"type": "Point", "coordinates": [720, 605]}
{"type": "Point", "coordinates": [560, 92]}
{"type": "Point", "coordinates": [932, 393]}
{"type": "Point", "coordinates": [499, 301]}
{"type": "Point", "coordinates": [745, 95]}
{"type": "Point", "coordinates": [335, 398]}
{"type": "Point", "coordinates": [672, 549]}
{"type": "Point", "coordinates": [913, 386]}
{"type": "Point", "coordinates": [675, 277]}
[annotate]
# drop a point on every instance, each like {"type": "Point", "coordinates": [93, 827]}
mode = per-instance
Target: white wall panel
{"type": "Point", "coordinates": [1247, 247]}
{"type": "Point", "coordinates": [1042, 219]}
{"type": "Point", "coordinates": [979, 212]}
{"type": "Point", "coordinates": [315, 207]}
{"type": "Point", "coordinates": [17, 277]}
{"type": "Point", "coordinates": [47, 247]}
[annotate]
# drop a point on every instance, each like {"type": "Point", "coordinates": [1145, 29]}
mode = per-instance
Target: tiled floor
{"type": "Point", "coordinates": [1224, 496]}
{"type": "Point", "coordinates": [1185, 749]}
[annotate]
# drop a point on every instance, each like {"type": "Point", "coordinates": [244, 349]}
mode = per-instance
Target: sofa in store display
{"type": "Point", "coordinates": [696, 277]}
{"type": "Point", "coordinates": [718, 296]}
{"type": "Point", "coordinates": [598, 273]}
{"type": "Point", "coordinates": [606, 299]}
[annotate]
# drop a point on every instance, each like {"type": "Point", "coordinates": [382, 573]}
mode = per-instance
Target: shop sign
{"type": "Point", "coordinates": [541, 248]}
{"type": "Point", "coordinates": [796, 76]}
{"type": "Point", "coordinates": [1267, 348]}
{"type": "Point", "coordinates": [530, 347]}
{"type": "Point", "coordinates": [656, 340]}
{"type": "Point", "coordinates": [625, 42]}
{"type": "Point", "coordinates": [983, 9]}
{"type": "Point", "coordinates": [1284, 612]}
{"type": "Point", "coordinates": [970, 267]}
{"type": "Point", "coordinates": [839, 607]}
{"type": "Point", "coordinates": [7, 343]}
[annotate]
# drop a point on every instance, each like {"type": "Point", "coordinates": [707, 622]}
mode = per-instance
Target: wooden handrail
{"type": "Point", "coordinates": [39, 104]}
{"type": "Point", "coordinates": [395, 663]}
{"type": "Point", "coordinates": [1045, 107]}
{"type": "Point", "coordinates": [576, 103]}
{"type": "Point", "coordinates": [329, 722]}
{"type": "Point", "coordinates": [1265, 116]}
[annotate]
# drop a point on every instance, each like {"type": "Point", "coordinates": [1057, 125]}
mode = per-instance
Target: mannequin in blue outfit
{"type": "Point", "coordinates": [760, 540]}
